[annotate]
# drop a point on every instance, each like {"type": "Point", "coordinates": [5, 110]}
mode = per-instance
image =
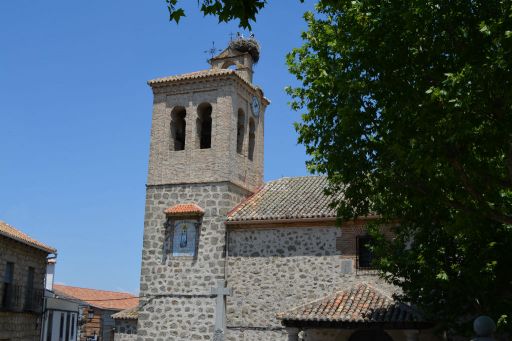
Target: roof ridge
{"type": "Point", "coordinates": [372, 287]}
{"type": "Point", "coordinates": [331, 295]}
{"type": "Point", "coordinates": [240, 204]}
{"type": "Point", "coordinates": [116, 292]}
{"type": "Point", "coordinates": [298, 177]}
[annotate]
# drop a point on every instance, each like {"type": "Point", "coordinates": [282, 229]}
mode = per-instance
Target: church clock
{"type": "Point", "coordinates": [255, 106]}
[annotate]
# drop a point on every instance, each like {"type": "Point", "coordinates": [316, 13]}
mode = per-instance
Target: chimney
{"type": "Point", "coordinates": [50, 273]}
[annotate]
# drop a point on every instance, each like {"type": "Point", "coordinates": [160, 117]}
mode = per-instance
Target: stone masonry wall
{"type": "Point", "coordinates": [17, 325]}
{"type": "Point", "coordinates": [220, 162]}
{"type": "Point", "coordinates": [275, 269]}
{"type": "Point", "coordinates": [176, 303]}
{"type": "Point", "coordinates": [126, 330]}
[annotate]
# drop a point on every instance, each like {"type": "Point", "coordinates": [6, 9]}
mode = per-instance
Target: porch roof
{"type": "Point", "coordinates": [361, 305]}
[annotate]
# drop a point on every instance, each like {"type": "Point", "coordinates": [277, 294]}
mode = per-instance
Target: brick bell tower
{"type": "Point", "coordinates": [206, 156]}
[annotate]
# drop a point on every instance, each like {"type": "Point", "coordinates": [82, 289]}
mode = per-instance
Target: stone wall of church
{"type": "Point", "coordinates": [176, 302]}
{"type": "Point", "coordinates": [275, 269]}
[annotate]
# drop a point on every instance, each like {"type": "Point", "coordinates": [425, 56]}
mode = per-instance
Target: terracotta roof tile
{"type": "Point", "coordinates": [111, 300]}
{"type": "Point", "coordinates": [127, 314]}
{"type": "Point", "coordinates": [360, 304]}
{"type": "Point", "coordinates": [13, 233]}
{"type": "Point", "coordinates": [184, 209]}
{"type": "Point", "coordinates": [204, 74]}
{"type": "Point", "coordinates": [193, 75]}
{"type": "Point", "coordinates": [287, 198]}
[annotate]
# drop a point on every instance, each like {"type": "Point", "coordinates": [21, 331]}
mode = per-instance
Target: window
{"type": "Point", "coordinates": [204, 125]}
{"type": "Point", "coordinates": [50, 326]}
{"type": "Point", "coordinates": [252, 137]}
{"type": "Point", "coordinates": [73, 321]}
{"type": "Point", "coordinates": [61, 331]}
{"type": "Point", "coordinates": [68, 322]}
{"type": "Point", "coordinates": [7, 294]}
{"type": "Point", "coordinates": [364, 252]}
{"type": "Point", "coordinates": [240, 131]}
{"type": "Point", "coordinates": [178, 126]}
{"type": "Point", "coordinates": [29, 290]}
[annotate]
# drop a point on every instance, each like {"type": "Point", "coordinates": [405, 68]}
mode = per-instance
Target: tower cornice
{"type": "Point", "coordinates": [204, 75]}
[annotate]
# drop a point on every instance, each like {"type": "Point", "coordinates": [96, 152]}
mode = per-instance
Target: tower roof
{"type": "Point", "coordinates": [205, 74]}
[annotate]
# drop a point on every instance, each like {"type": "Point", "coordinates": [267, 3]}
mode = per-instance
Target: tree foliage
{"type": "Point", "coordinates": [408, 110]}
{"type": "Point", "coordinates": [244, 11]}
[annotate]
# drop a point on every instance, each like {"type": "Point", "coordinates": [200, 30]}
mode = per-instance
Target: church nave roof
{"type": "Point", "coordinates": [287, 198]}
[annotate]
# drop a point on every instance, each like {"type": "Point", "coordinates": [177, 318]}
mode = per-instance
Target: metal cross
{"type": "Point", "coordinates": [220, 308]}
{"type": "Point", "coordinates": [213, 50]}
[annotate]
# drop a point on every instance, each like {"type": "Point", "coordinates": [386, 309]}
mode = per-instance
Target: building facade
{"type": "Point", "coordinates": [227, 257]}
{"type": "Point", "coordinates": [22, 272]}
{"type": "Point", "coordinates": [126, 324]}
{"type": "Point", "coordinates": [96, 308]}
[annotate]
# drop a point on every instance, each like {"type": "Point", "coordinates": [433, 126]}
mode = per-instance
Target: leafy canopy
{"type": "Point", "coordinates": [408, 110]}
{"type": "Point", "coordinates": [226, 10]}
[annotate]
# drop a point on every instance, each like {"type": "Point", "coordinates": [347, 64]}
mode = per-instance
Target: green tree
{"type": "Point", "coordinates": [244, 11]}
{"type": "Point", "coordinates": [408, 110]}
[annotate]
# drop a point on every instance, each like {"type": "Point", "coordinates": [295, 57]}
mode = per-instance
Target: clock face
{"type": "Point", "coordinates": [255, 106]}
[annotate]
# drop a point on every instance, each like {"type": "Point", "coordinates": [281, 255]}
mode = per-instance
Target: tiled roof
{"type": "Point", "coordinates": [184, 209]}
{"type": "Point", "coordinates": [127, 314]}
{"type": "Point", "coordinates": [194, 75]}
{"type": "Point", "coordinates": [286, 198]}
{"type": "Point", "coordinates": [204, 74]}
{"type": "Point", "coordinates": [360, 304]}
{"type": "Point", "coordinates": [111, 300]}
{"type": "Point", "coordinates": [10, 232]}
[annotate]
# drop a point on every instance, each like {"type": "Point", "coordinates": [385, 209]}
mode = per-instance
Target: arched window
{"type": "Point", "coordinates": [204, 125]}
{"type": "Point", "coordinates": [178, 126]}
{"type": "Point", "coordinates": [240, 131]}
{"type": "Point", "coordinates": [252, 138]}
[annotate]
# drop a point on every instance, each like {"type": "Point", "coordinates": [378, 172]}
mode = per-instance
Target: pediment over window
{"type": "Point", "coordinates": [188, 209]}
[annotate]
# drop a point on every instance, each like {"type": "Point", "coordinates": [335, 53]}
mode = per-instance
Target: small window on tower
{"type": "Point", "coordinates": [240, 131]}
{"type": "Point", "coordinates": [178, 126]}
{"type": "Point", "coordinates": [204, 125]}
{"type": "Point", "coordinates": [252, 138]}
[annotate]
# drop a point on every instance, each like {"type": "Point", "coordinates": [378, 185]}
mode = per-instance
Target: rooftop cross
{"type": "Point", "coordinates": [212, 50]}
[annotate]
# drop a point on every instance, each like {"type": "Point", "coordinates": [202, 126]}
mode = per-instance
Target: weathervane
{"type": "Point", "coordinates": [212, 51]}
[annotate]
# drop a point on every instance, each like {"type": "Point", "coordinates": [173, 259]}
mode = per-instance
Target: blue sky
{"type": "Point", "coordinates": [75, 115]}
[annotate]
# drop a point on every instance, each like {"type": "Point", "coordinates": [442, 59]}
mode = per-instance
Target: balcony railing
{"type": "Point", "coordinates": [18, 298]}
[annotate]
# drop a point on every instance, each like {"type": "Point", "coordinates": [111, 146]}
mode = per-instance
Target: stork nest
{"type": "Point", "coordinates": [249, 45]}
